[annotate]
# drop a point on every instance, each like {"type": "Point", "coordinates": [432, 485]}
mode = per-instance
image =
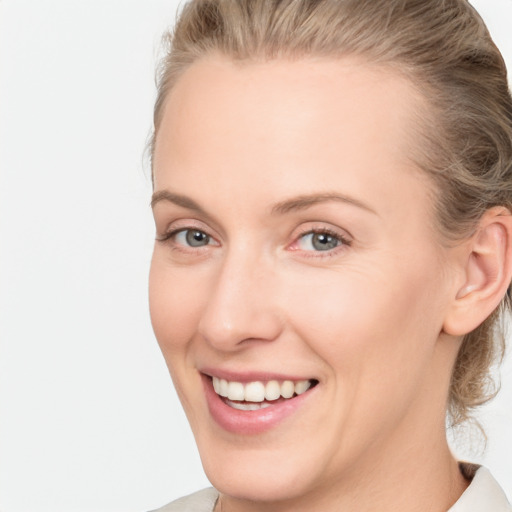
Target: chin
{"type": "Point", "coordinates": [264, 468]}
{"type": "Point", "coordinates": [259, 480]}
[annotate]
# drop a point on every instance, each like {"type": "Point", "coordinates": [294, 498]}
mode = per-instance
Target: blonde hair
{"type": "Point", "coordinates": [445, 49]}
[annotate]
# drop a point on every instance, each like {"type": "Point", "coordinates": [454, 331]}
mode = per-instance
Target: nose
{"type": "Point", "coordinates": [242, 304]}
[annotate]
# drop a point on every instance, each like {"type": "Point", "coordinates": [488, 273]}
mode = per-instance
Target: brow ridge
{"type": "Point", "coordinates": [177, 199]}
{"type": "Point", "coordinates": [305, 201]}
{"type": "Point", "coordinates": [298, 203]}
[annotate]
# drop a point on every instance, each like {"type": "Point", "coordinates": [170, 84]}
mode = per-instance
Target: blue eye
{"type": "Point", "coordinates": [319, 241]}
{"type": "Point", "coordinates": [192, 238]}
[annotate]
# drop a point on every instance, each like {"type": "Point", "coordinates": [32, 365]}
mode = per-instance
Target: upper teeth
{"type": "Point", "coordinates": [258, 391]}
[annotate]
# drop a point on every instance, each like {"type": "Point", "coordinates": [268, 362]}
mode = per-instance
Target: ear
{"type": "Point", "coordinates": [487, 272]}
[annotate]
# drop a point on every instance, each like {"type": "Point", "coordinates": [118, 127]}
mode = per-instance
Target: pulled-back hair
{"type": "Point", "coordinates": [445, 50]}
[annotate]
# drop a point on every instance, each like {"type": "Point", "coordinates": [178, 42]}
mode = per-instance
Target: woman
{"type": "Point", "coordinates": [332, 199]}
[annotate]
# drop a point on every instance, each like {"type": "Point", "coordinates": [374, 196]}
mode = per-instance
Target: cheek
{"type": "Point", "coordinates": [375, 338]}
{"type": "Point", "coordinates": [174, 298]}
{"type": "Point", "coordinates": [374, 327]}
{"type": "Point", "coordinates": [356, 310]}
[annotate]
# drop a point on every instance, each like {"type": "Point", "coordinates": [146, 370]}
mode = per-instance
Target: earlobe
{"type": "Point", "coordinates": [486, 274]}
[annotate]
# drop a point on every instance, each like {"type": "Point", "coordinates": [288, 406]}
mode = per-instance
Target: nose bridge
{"type": "Point", "coordinates": [240, 305]}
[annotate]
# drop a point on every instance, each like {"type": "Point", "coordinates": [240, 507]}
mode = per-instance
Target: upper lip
{"type": "Point", "coordinates": [251, 376]}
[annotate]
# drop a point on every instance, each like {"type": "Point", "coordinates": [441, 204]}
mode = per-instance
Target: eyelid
{"type": "Point", "coordinates": [315, 228]}
{"type": "Point", "coordinates": [180, 225]}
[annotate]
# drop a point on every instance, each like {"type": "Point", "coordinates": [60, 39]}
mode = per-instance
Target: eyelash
{"type": "Point", "coordinates": [343, 241]}
{"type": "Point", "coordinates": [168, 237]}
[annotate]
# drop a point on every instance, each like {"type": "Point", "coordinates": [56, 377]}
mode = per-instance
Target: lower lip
{"type": "Point", "coordinates": [250, 422]}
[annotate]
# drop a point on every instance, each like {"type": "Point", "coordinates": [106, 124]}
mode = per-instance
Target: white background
{"type": "Point", "coordinates": [88, 419]}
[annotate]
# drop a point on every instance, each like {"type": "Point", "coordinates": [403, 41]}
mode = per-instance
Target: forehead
{"type": "Point", "coordinates": [216, 91]}
{"type": "Point", "coordinates": [291, 123]}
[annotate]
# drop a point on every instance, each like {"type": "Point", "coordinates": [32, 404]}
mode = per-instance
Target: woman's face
{"type": "Point", "coordinates": [295, 251]}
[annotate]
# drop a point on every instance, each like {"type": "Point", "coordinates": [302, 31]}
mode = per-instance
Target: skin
{"type": "Point", "coordinates": [365, 319]}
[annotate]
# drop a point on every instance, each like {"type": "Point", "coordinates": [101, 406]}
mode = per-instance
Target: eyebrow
{"type": "Point", "coordinates": [177, 199]}
{"type": "Point", "coordinates": [306, 201]}
{"type": "Point", "coordinates": [301, 202]}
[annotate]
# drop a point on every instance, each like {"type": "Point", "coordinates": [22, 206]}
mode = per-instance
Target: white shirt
{"type": "Point", "coordinates": [483, 495]}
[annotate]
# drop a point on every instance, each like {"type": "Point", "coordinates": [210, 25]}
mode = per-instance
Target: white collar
{"type": "Point", "coordinates": [483, 494]}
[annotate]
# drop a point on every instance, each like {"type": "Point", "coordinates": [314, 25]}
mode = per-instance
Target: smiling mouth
{"type": "Point", "coordinates": [256, 395]}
